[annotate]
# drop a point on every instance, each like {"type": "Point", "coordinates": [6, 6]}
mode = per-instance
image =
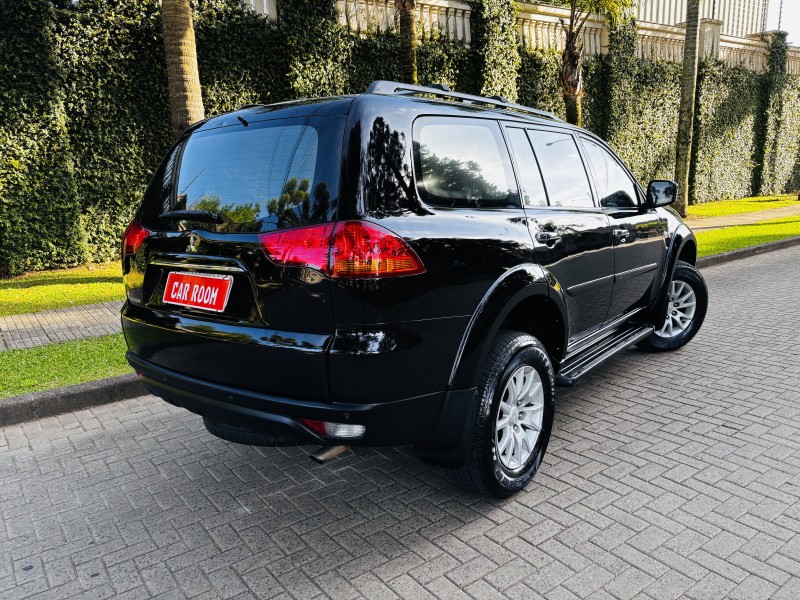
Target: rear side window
{"type": "Point", "coordinates": [463, 163]}
{"type": "Point", "coordinates": [268, 175]}
{"type": "Point", "coordinates": [562, 168]}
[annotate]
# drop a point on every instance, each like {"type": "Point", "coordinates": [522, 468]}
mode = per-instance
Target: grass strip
{"type": "Point", "coordinates": [723, 208]}
{"type": "Point", "coordinates": [715, 241]}
{"type": "Point", "coordinates": [46, 290]}
{"type": "Point", "coordinates": [57, 365]}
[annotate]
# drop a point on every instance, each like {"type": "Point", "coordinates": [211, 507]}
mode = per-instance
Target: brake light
{"type": "Point", "coordinates": [301, 247]}
{"type": "Point", "coordinates": [133, 237]}
{"type": "Point", "coordinates": [350, 249]}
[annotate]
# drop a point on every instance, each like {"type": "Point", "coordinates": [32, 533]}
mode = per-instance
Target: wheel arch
{"type": "Point", "coordinates": [682, 247]}
{"type": "Point", "coordinates": [525, 299]}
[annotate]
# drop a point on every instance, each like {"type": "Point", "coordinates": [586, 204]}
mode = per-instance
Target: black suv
{"type": "Point", "coordinates": [404, 266]}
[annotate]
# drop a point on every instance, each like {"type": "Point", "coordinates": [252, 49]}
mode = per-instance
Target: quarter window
{"type": "Point", "coordinates": [614, 186]}
{"type": "Point", "coordinates": [562, 168]}
{"type": "Point", "coordinates": [463, 163]}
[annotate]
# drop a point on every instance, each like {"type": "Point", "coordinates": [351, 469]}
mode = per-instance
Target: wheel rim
{"type": "Point", "coordinates": [519, 417]}
{"type": "Point", "coordinates": [682, 305]}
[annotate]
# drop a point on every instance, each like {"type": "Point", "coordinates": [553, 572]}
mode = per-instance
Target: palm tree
{"type": "Point", "coordinates": [571, 76]}
{"type": "Point", "coordinates": [408, 39]}
{"type": "Point", "coordinates": [183, 79]}
{"type": "Point", "coordinates": [683, 154]}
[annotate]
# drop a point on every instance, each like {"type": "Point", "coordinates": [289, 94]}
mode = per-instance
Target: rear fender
{"type": "Point", "coordinates": [515, 286]}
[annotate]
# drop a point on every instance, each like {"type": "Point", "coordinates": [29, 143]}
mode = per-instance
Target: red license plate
{"type": "Point", "coordinates": [208, 292]}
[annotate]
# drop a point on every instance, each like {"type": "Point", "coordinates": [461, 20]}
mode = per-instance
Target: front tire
{"type": "Point", "coordinates": [688, 303]}
{"type": "Point", "coordinates": [514, 417]}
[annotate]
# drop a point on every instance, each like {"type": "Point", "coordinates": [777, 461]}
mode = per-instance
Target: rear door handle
{"type": "Point", "coordinates": [621, 234]}
{"type": "Point", "coordinates": [547, 237]}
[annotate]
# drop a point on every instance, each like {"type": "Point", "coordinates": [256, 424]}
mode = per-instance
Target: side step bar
{"type": "Point", "coordinates": [578, 366]}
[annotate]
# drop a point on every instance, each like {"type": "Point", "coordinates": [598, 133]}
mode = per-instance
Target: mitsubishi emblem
{"type": "Point", "coordinates": [194, 240]}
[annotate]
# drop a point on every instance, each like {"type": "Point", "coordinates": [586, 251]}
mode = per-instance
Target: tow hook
{"type": "Point", "coordinates": [325, 453]}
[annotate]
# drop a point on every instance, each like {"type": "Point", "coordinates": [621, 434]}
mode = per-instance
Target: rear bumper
{"type": "Point", "coordinates": [435, 422]}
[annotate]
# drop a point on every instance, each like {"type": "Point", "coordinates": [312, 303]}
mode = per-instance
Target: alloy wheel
{"type": "Point", "coordinates": [519, 417]}
{"type": "Point", "coordinates": [682, 305]}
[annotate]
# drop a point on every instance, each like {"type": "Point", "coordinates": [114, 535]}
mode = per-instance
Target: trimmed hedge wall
{"type": "Point", "coordinates": [728, 104]}
{"type": "Point", "coordinates": [84, 116]}
{"type": "Point", "coordinates": [781, 125]}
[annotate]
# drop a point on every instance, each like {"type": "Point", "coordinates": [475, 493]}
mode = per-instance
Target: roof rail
{"type": "Point", "coordinates": [443, 91]}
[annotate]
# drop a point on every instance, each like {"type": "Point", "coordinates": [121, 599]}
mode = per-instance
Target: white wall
{"type": "Point", "coordinates": [740, 17]}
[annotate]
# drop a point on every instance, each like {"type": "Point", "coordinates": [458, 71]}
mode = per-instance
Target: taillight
{"type": "Point", "coordinates": [361, 249]}
{"type": "Point", "coordinates": [350, 249]}
{"type": "Point", "coordinates": [301, 247]}
{"type": "Point", "coordinates": [133, 237]}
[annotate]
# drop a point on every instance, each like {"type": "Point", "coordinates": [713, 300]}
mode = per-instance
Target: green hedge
{"type": "Point", "coordinates": [633, 104]}
{"type": "Point", "coordinates": [84, 116]}
{"type": "Point", "coordinates": [728, 104]}
{"type": "Point", "coordinates": [494, 40]}
{"type": "Point", "coordinates": [781, 125]}
{"type": "Point", "coordinates": [39, 211]}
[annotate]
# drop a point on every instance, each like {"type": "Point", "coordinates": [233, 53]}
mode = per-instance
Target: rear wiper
{"type": "Point", "coordinates": [203, 216]}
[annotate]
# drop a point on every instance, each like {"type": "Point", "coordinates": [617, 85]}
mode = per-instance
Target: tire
{"type": "Point", "coordinates": [241, 435]}
{"type": "Point", "coordinates": [681, 324]}
{"type": "Point", "coordinates": [491, 469]}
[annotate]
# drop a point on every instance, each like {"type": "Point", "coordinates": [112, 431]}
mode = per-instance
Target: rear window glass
{"type": "Point", "coordinates": [268, 175]}
{"type": "Point", "coordinates": [463, 163]}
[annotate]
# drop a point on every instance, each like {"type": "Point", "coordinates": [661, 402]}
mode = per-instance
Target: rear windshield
{"type": "Point", "coordinates": [261, 177]}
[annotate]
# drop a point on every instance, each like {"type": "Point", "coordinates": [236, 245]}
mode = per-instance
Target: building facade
{"type": "Point", "coordinates": [740, 18]}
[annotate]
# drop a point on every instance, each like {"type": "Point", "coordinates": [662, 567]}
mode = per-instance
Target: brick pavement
{"type": "Point", "coordinates": [59, 325]}
{"type": "Point", "coordinates": [668, 476]}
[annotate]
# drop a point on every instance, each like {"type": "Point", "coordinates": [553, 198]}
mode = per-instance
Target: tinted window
{"type": "Point", "coordinates": [564, 174]}
{"type": "Point", "coordinates": [530, 178]}
{"type": "Point", "coordinates": [463, 163]}
{"type": "Point", "coordinates": [269, 175]}
{"type": "Point", "coordinates": [614, 186]}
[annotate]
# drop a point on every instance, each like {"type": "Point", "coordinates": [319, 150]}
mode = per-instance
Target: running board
{"type": "Point", "coordinates": [578, 366]}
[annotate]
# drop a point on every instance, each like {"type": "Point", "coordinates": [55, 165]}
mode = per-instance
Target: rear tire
{"type": "Point", "coordinates": [688, 303]}
{"type": "Point", "coordinates": [515, 398]}
{"type": "Point", "coordinates": [241, 435]}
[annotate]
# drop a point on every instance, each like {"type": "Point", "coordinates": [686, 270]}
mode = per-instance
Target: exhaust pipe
{"type": "Point", "coordinates": [326, 453]}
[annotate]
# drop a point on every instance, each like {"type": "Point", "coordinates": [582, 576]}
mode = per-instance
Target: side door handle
{"type": "Point", "coordinates": [621, 234]}
{"type": "Point", "coordinates": [547, 237]}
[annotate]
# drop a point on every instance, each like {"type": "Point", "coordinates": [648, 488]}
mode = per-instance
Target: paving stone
{"type": "Point", "coordinates": [668, 476]}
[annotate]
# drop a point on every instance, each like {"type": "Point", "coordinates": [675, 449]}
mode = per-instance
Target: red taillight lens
{"type": "Point", "coordinates": [301, 247]}
{"type": "Point", "coordinates": [350, 249]}
{"type": "Point", "coordinates": [360, 249]}
{"type": "Point", "coordinates": [133, 237]}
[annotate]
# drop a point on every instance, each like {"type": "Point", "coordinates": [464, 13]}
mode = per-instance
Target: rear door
{"type": "Point", "coordinates": [639, 242]}
{"type": "Point", "coordinates": [572, 238]}
{"type": "Point", "coordinates": [224, 311]}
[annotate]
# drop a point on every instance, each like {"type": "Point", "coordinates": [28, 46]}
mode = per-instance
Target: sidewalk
{"type": "Point", "coordinates": [95, 320]}
{"type": "Point", "coordinates": [59, 325]}
{"type": "Point", "coordinates": [699, 224]}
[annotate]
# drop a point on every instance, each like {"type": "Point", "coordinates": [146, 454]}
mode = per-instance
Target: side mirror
{"type": "Point", "coordinates": [661, 193]}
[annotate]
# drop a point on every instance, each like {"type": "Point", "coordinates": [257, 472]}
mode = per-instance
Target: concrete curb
{"type": "Point", "coordinates": [48, 403]}
{"type": "Point", "coordinates": [37, 405]}
{"type": "Point", "coordinates": [719, 259]}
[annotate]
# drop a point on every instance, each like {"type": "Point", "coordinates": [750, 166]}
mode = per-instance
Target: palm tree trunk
{"type": "Point", "coordinates": [683, 154]}
{"type": "Point", "coordinates": [408, 39]}
{"type": "Point", "coordinates": [183, 79]}
{"type": "Point", "coordinates": [571, 76]}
